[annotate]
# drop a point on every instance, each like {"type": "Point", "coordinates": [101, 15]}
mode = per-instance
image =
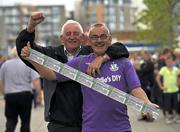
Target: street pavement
{"type": "Point", "coordinates": [39, 125]}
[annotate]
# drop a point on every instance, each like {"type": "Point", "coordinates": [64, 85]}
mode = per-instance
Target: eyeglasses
{"type": "Point", "coordinates": [96, 37]}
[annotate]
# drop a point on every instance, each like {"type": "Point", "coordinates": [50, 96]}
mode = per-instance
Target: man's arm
{"type": "Point", "coordinates": [42, 70]}
{"type": "Point", "coordinates": [133, 82]}
{"type": "Point", "coordinates": [1, 87]}
{"type": "Point", "coordinates": [117, 50]}
{"type": "Point", "coordinates": [139, 93]}
{"type": "Point", "coordinates": [37, 86]}
{"type": "Point", "coordinates": [28, 35]}
{"type": "Point", "coordinates": [159, 82]}
{"type": "Point", "coordinates": [21, 41]}
{"type": "Point", "coordinates": [178, 80]}
{"type": "Point", "coordinates": [2, 78]}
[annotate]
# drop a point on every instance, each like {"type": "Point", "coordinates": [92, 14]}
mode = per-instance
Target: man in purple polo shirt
{"type": "Point", "coordinates": [100, 113]}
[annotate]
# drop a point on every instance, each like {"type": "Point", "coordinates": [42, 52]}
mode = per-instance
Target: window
{"type": "Point", "coordinates": [48, 19]}
{"type": "Point", "coordinates": [121, 16]}
{"type": "Point", "coordinates": [93, 17]}
{"type": "Point", "coordinates": [97, 2]}
{"type": "Point", "coordinates": [55, 10]}
{"type": "Point", "coordinates": [120, 2]}
{"type": "Point", "coordinates": [7, 20]}
{"type": "Point", "coordinates": [121, 26]}
{"type": "Point", "coordinates": [1, 12]}
{"type": "Point", "coordinates": [132, 15]}
{"type": "Point", "coordinates": [112, 26]}
{"type": "Point", "coordinates": [25, 19]}
{"type": "Point", "coordinates": [55, 19]}
{"type": "Point", "coordinates": [106, 2]}
{"type": "Point", "coordinates": [8, 12]}
{"type": "Point", "coordinates": [111, 2]}
{"type": "Point", "coordinates": [15, 20]}
{"type": "Point", "coordinates": [46, 11]}
{"type": "Point", "coordinates": [14, 11]}
{"type": "Point", "coordinates": [111, 10]}
{"type": "Point", "coordinates": [112, 18]}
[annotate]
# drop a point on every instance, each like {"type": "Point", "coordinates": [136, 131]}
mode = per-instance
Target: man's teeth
{"type": "Point", "coordinates": [72, 41]}
{"type": "Point", "coordinates": [100, 44]}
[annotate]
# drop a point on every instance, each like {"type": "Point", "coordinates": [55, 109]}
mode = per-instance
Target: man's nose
{"type": "Point", "coordinates": [99, 39]}
{"type": "Point", "coordinates": [71, 36]}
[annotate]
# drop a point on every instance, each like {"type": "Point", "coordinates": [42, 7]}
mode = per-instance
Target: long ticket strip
{"type": "Point", "coordinates": [93, 83]}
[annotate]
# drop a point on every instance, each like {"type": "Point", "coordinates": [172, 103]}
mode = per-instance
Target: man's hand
{"type": "Point", "coordinates": [35, 19]}
{"type": "Point", "coordinates": [154, 105]}
{"type": "Point", "coordinates": [95, 65]}
{"type": "Point", "coordinates": [25, 51]}
{"type": "Point", "coordinates": [149, 115]}
{"type": "Point", "coordinates": [40, 97]}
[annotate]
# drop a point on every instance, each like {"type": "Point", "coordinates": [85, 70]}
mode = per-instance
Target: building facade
{"type": "Point", "coordinates": [15, 18]}
{"type": "Point", "coordinates": [119, 16]}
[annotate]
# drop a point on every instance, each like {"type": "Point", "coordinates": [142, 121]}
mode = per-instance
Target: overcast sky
{"type": "Point", "coordinates": [69, 4]}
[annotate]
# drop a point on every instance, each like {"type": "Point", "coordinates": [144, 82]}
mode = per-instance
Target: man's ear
{"type": "Point", "coordinates": [61, 39]}
{"type": "Point", "coordinates": [110, 39]}
{"type": "Point", "coordinates": [85, 39]}
{"type": "Point", "coordinates": [83, 36]}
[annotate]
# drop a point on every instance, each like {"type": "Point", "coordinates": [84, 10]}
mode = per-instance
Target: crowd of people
{"type": "Point", "coordinates": [152, 77]}
{"type": "Point", "coordinates": [159, 76]}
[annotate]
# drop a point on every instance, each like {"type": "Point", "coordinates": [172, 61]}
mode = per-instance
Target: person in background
{"type": "Point", "coordinates": [36, 101]}
{"type": "Point", "coordinates": [177, 64]}
{"type": "Point", "coordinates": [162, 57]}
{"type": "Point", "coordinates": [1, 60]}
{"type": "Point", "coordinates": [169, 87]}
{"type": "Point", "coordinates": [15, 84]}
{"type": "Point", "coordinates": [63, 100]}
{"type": "Point", "coordinates": [161, 62]}
{"type": "Point", "coordinates": [177, 57]}
{"type": "Point", "coordinates": [100, 113]}
{"type": "Point", "coordinates": [146, 76]}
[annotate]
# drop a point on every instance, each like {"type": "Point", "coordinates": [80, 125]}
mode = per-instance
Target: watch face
{"type": "Point", "coordinates": [105, 57]}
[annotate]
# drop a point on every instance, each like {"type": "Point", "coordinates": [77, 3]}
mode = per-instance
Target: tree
{"type": "Point", "coordinates": [160, 21]}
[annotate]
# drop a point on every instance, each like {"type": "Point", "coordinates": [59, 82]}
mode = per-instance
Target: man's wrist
{"type": "Point", "coordinates": [30, 29]}
{"type": "Point", "coordinates": [106, 57]}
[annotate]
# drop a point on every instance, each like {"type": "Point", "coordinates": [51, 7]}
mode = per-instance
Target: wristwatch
{"type": "Point", "coordinates": [105, 57]}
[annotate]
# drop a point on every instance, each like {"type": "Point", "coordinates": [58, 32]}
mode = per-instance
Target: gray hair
{"type": "Point", "coordinates": [98, 25]}
{"type": "Point", "coordinates": [71, 22]}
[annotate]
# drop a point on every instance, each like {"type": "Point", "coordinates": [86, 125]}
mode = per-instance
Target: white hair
{"type": "Point", "coordinates": [71, 22]}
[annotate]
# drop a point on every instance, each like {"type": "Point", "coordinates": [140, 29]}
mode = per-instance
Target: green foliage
{"type": "Point", "coordinates": [160, 21]}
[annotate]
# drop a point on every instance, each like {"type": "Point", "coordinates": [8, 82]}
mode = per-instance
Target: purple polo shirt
{"type": "Point", "coordinates": [101, 113]}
